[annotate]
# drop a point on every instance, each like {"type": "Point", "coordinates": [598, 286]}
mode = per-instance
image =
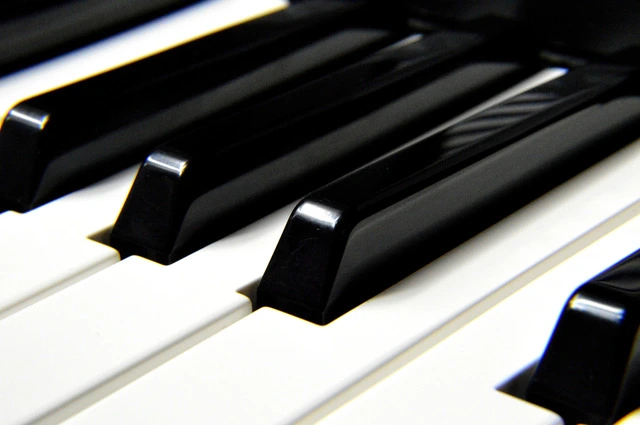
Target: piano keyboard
{"type": "Point", "coordinates": [90, 338]}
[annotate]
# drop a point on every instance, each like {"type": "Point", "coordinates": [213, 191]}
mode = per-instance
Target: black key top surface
{"type": "Point", "coordinates": [355, 237]}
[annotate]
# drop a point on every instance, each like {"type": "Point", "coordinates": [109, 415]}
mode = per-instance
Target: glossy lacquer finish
{"type": "Point", "coordinates": [355, 237]}
{"type": "Point", "coordinates": [203, 186]}
{"type": "Point", "coordinates": [63, 140]}
{"type": "Point", "coordinates": [34, 30]}
{"type": "Point", "coordinates": [590, 371]}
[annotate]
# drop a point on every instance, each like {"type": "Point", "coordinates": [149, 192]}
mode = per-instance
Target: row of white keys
{"type": "Point", "coordinates": [73, 348]}
{"type": "Point", "coordinates": [57, 233]}
{"type": "Point", "coordinates": [274, 368]}
{"type": "Point", "coordinates": [488, 352]}
{"type": "Point", "coordinates": [139, 291]}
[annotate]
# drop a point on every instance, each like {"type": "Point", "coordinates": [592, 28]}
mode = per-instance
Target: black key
{"type": "Point", "coordinates": [58, 142]}
{"type": "Point", "coordinates": [356, 236]}
{"type": "Point", "coordinates": [590, 370]}
{"type": "Point", "coordinates": [13, 9]}
{"type": "Point", "coordinates": [201, 187]}
{"type": "Point", "coordinates": [34, 30]}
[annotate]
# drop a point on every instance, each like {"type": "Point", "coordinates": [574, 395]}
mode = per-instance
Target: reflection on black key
{"type": "Point", "coordinates": [63, 140]}
{"type": "Point", "coordinates": [590, 370]}
{"type": "Point", "coordinates": [34, 30]}
{"type": "Point", "coordinates": [353, 238]}
{"type": "Point", "coordinates": [235, 171]}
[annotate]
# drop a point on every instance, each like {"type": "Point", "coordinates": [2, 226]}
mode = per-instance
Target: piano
{"type": "Point", "coordinates": [93, 337]}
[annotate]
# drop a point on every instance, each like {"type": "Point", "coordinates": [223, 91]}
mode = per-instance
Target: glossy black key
{"type": "Point", "coordinates": [13, 9]}
{"type": "Point", "coordinates": [356, 236]}
{"type": "Point", "coordinates": [590, 370]}
{"type": "Point", "coordinates": [201, 187]}
{"type": "Point", "coordinates": [63, 140]}
{"type": "Point", "coordinates": [34, 30]}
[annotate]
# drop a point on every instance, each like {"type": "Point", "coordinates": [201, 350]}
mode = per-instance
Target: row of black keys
{"type": "Point", "coordinates": [242, 122]}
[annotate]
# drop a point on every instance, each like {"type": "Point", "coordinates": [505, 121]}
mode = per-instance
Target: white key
{"type": "Point", "coordinates": [281, 369]}
{"type": "Point", "coordinates": [109, 329]}
{"type": "Point", "coordinates": [496, 346]}
{"type": "Point", "coordinates": [57, 232]}
{"type": "Point", "coordinates": [47, 249]}
{"type": "Point", "coordinates": [430, 401]}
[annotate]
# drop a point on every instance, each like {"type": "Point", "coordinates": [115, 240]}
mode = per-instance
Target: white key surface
{"type": "Point", "coordinates": [281, 369]}
{"type": "Point", "coordinates": [90, 344]}
{"type": "Point", "coordinates": [442, 403]}
{"type": "Point", "coordinates": [47, 249]}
